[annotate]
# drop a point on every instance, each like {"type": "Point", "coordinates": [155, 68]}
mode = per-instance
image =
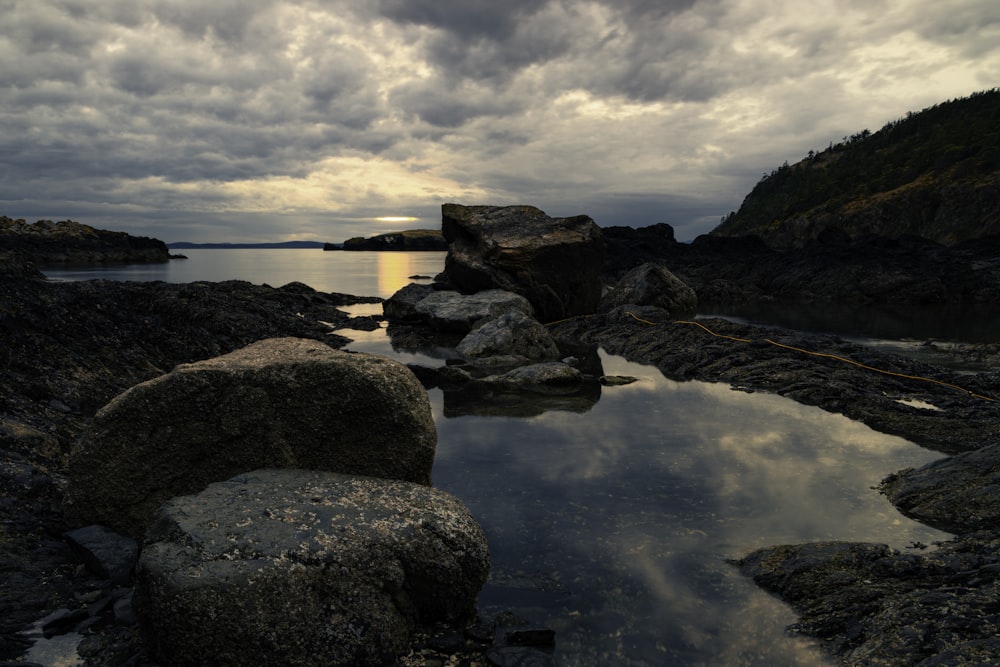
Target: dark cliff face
{"type": "Point", "coordinates": [69, 242]}
{"type": "Point", "coordinates": [934, 174]}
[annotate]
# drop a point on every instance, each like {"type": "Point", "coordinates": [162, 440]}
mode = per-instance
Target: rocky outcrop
{"type": "Point", "coordinates": [652, 285]}
{"type": "Point", "coordinates": [872, 605]}
{"type": "Point", "coordinates": [834, 269]}
{"type": "Point", "coordinates": [414, 239]}
{"type": "Point", "coordinates": [68, 242]}
{"type": "Point", "coordinates": [958, 494]}
{"type": "Point", "coordinates": [933, 174]}
{"type": "Point", "coordinates": [277, 403]}
{"type": "Point", "coordinates": [446, 310]}
{"type": "Point", "coordinates": [511, 334]}
{"type": "Point", "coordinates": [299, 567]}
{"type": "Point", "coordinates": [554, 262]}
{"type": "Point", "coordinates": [942, 210]}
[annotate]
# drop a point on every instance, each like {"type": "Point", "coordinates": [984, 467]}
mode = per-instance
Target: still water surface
{"type": "Point", "coordinates": [613, 526]}
{"type": "Point", "coordinates": [359, 273]}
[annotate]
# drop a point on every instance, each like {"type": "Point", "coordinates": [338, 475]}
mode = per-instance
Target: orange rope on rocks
{"type": "Point", "coordinates": [827, 356]}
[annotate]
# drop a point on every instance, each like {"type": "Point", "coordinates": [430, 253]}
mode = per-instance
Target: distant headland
{"type": "Point", "coordinates": [225, 246]}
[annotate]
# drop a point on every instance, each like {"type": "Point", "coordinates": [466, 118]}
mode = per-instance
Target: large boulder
{"type": "Point", "coordinates": [652, 285]}
{"type": "Point", "coordinates": [554, 262]}
{"type": "Point", "coordinates": [284, 402]}
{"type": "Point", "coordinates": [296, 567]}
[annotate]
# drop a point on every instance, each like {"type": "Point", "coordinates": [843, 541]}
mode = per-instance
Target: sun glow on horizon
{"type": "Point", "coordinates": [396, 218]}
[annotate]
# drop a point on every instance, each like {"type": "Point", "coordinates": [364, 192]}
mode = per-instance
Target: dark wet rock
{"type": "Point", "coordinates": [105, 553]}
{"type": "Point", "coordinates": [13, 265]}
{"type": "Point", "coordinates": [309, 567]}
{"type": "Point", "coordinates": [512, 333]}
{"type": "Point", "coordinates": [519, 656]}
{"type": "Point", "coordinates": [402, 305]}
{"type": "Point", "coordinates": [531, 636]}
{"type": "Point", "coordinates": [872, 605]}
{"type": "Point", "coordinates": [960, 494]}
{"type": "Point", "coordinates": [652, 285]}
{"type": "Point", "coordinates": [824, 371]}
{"type": "Point", "coordinates": [867, 270]}
{"type": "Point", "coordinates": [447, 310]}
{"type": "Point", "coordinates": [554, 262]}
{"type": "Point", "coordinates": [283, 402]}
{"type": "Point", "coordinates": [82, 343]}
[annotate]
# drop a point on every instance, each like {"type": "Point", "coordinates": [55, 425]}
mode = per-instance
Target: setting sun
{"type": "Point", "coordinates": [396, 218]}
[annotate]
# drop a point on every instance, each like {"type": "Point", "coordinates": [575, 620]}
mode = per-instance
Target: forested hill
{"type": "Point", "coordinates": [934, 174]}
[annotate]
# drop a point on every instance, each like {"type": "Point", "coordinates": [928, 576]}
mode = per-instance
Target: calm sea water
{"type": "Point", "coordinates": [613, 526]}
{"type": "Point", "coordinates": [359, 273]}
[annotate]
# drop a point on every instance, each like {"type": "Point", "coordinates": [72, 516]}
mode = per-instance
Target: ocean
{"type": "Point", "coordinates": [359, 273]}
{"type": "Point", "coordinates": [612, 525]}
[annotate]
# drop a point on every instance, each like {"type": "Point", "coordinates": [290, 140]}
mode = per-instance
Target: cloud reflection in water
{"type": "Point", "coordinates": [624, 516]}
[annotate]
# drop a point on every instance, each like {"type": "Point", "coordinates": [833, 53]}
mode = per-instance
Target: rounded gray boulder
{"type": "Point", "coordinates": [297, 567]}
{"type": "Point", "coordinates": [283, 402]}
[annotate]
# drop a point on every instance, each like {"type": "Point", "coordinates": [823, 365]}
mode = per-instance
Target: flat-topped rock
{"type": "Point", "coordinates": [297, 567]}
{"type": "Point", "coordinates": [453, 311]}
{"type": "Point", "coordinates": [554, 262]}
{"type": "Point", "coordinates": [284, 402]}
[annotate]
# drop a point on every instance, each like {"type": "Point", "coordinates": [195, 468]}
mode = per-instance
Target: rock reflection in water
{"type": "Point", "coordinates": [613, 526]}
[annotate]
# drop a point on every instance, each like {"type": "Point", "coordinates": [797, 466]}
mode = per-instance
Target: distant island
{"type": "Point", "coordinates": [413, 239]}
{"type": "Point", "coordinates": [228, 246]}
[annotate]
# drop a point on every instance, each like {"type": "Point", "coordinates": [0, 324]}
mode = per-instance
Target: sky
{"type": "Point", "coordinates": [271, 120]}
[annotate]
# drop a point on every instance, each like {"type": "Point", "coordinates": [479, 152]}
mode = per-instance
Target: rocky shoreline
{"type": "Point", "coordinates": [67, 348]}
{"type": "Point", "coordinates": [67, 242]}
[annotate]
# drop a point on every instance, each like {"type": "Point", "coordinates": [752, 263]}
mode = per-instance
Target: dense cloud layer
{"type": "Point", "coordinates": [269, 120]}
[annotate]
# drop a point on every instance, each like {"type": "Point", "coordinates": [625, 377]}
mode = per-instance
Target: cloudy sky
{"type": "Point", "coordinates": [254, 120]}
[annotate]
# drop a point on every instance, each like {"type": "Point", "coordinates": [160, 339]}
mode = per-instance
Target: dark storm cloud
{"type": "Point", "coordinates": [176, 108]}
{"type": "Point", "coordinates": [633, 111]}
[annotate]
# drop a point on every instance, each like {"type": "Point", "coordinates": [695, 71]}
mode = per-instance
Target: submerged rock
{"type": "Point", "coordinates": [283, 402]}
{"type": "Point", "coordinates": [297, 567]}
